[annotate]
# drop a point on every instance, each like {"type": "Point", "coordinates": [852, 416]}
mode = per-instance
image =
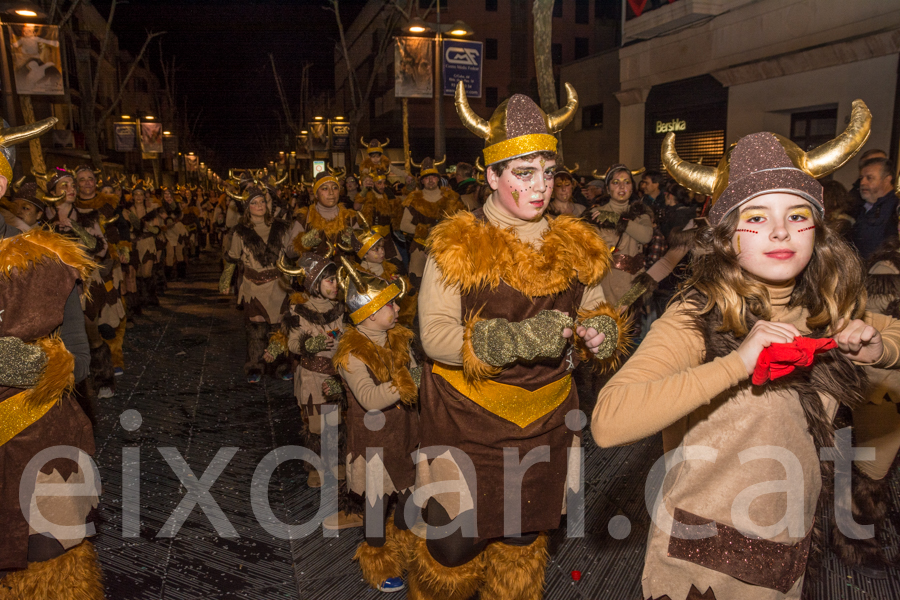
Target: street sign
{"type": "Point", "coordinates": [462, 62]}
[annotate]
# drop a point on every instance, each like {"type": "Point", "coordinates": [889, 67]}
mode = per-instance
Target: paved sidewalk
{"type": "Point", "coordinates": [184, 377]}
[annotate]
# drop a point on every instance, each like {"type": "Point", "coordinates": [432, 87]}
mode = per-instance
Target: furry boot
{"type": "Point", "coordinates": [515, 572]}
{"type": "Point", "coordinates": [870, 507]}
{"type": "Point", "coordinates": [401, 541]}
{"type": "Point", "coordinates": [379, 564]}
{"type": "Point", "coordinates": [430, 580]}
{"type": "Point", "coordinates": [75, 575]}
{"type": "Point", "coordinates": [257, 342]}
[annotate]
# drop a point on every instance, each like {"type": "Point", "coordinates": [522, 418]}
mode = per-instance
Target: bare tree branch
{"type": "Point", "coordinates": [68, 14]}
{"type": "Point", "coordinates": [112, 12]}
{"type": "Point", "coordinates": [351, 75]}
{"type": "Point", "coordinates": [125, 81]}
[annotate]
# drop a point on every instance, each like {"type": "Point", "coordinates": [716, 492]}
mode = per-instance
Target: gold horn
{"type": "Point", "coordinates": [638, 172]}
{"type": "Point", "coordinates": [596, 175]}
{"type": "Point", "coordinates": [440, 162]}
{"type": "Point", "coordinates": [362, 219]}
{"type": "Point", "coordinates": [278, 182]}
{"type": "Point", "coordinates": [13, 135]}
{"type": "Point", "coordinates": [832, 155]}
{"type": "Point", "coordinates": [412, 162]}
{"type": "Point", "coordinates": [104, 221]}
{"type": "Point", "coordinates": [361, 288]}
{"type": "Point", "coordinates": [573, 169]}
{"type": "Point", "coordinates": [403, 289]}
{"type": "Point", "coordinates": [387, 141]}
{"type": "Point", "coordinates": [560, 118]}
{"type": "Point", "coordinates": [330, 252]}
{"type": "Point", "coordinates": [293, 272]}
{"type": "Point", "coordinates": [697, 178]}
{"type": "Point", "coordinates": [478, 164]}
{"type": "Point", "coordinates": [53, 199]}
{"type": "Point", "coordinates": [363, 143]}
{"type": "Point", "coordinates": [234, 196]}
{"type": "Point", "coordinates": [473, 122]}
{"type": "Point", "coordinates": [40, 175]}
{"type": "Point", "coordinates": [18, 183]}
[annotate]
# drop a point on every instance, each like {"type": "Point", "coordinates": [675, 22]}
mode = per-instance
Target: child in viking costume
{"type": "Point", "coordinates": [563, 193]}
{"type": "Point", "coordinates": [43, 549]}
{"type": "Point", "coordinates": [383, 211]}
{"type": "Point", "coordinates": [177, 246]}
{"type": "Point", "coordinates": [257, 242]}
{"type": "Point", "coordinates": [376, 161]}
{"type": "Point", "coordinates": [422, 210]}
{"type": "Point", "coordinates": [374, 359]}
{"type": "Point", "coordinates": [367, 244]}
{"type": "Point", "coordinates": [323, 223]}
{"type": "Point", "coordinates": [309, 331]}
{"type": "Point", "coordinates": [104, 311]}
{"type": "Point", "coordinates": [626, 227]}
{"type": "Point", "coordinates": [772, 287]}
{"type": "Point", "coordinates": [510, 304]}
{"type": "Point", "coordinates": [30, 207]}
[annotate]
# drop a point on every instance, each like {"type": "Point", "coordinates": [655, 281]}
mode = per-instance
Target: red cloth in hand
{"type": "Point", "coordinates": [779, 360]}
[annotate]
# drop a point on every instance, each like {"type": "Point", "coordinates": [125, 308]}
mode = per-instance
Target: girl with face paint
{"type": "Point", "coordinates": [749, 363]}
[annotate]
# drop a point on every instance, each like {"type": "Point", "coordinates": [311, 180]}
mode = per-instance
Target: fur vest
{"type": "Point", "coordinates": [265, 252]}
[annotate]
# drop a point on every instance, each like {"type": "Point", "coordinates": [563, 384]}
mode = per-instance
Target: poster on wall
{"type": "Point", "coordinates": [340, 136]}
{"type": "Point", "coordinates": [151, 137]}
{"type": "Point", "coordinates": [318, 136]}
{"type": "Point", "coordinates": [462, 62]}
{"type": "Point", "coordinates": [192, 162]}
{"type": "Point", "coordinates": [37, 62]}
{"type": "Point", "coordinates": [124, 134]}
{"type": "Point", "coordinates": [413, 71]}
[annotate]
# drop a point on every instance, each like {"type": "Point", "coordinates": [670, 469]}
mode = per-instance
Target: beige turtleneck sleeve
{"type": "Point", "coordinates": [440, 308]}
{"type": "Point", "coordinates": [666, 379]}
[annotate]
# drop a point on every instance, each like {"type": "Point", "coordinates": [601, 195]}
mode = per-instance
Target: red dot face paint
{"type": "Point", "coordinates": [806, 228]}
{"type": "Point", "coordinates": [747, 230]}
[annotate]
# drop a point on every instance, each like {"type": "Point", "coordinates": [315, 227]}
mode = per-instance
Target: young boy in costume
{"type": "Point", "coordinates": [772, 287]}
{"type": "Point", "coordinates": [374, 359]}
{"type": "Point", "coordinates": [510, 303]}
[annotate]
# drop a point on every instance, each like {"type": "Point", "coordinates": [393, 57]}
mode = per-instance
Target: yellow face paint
{"type": "Point", "coordinates": [749, 214]}
{"type": "Point", "coordinates": [739, 243]}
{"type": "Point", "coordinates": [515, 195]}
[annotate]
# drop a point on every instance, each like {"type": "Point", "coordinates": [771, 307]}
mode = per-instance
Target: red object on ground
{"type": "Point", "coordinates": [779, 360]}
{"type": "Point", "coordinates": [576, 575]}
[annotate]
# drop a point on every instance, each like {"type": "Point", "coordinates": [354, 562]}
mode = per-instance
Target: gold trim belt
{"type": "Point", "coordinates": [509, 402]}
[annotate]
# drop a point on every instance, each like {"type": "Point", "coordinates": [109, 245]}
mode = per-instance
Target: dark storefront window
{"type": "Point", "coordinates": [696, 110]}
{"type": "Point", "coordinates": [582, 47]}
{"type": "Point", "coordinates": [557, 8]}
{"type": "Point", "coordinates": [582, 11]}
{"type": "Point", "coordinates": [490, 5]}
{"type": "Point", "coordinates": [814, 128]}
{"type": "Point", "coordinates": [592, 116]}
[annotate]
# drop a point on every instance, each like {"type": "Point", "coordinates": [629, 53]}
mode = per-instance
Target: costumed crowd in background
{"type": "Point", "coordinates": [731, 307]}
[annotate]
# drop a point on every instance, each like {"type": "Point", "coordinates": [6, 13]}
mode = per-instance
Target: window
{"type": "Point", "coordinates": [592, 116]}
{"type": "Point", "coordinates": [490, 5]}
{"type": "Point", "coordinates": [557, 8]}
{"type": "Point", "coordinates": [490, 49]}
{"type": "Point", "coordinates": [491, 97]}
{"type": "Point", "coordinates": [811, 129]}
{"type": "Point", "coordinates": [426, 4]}
{"type": "Point", "coordinates": [582, 11]}
{"type": "Point", "coordinates": [556, 53]}
{"type": "Point", "coordinates": [582, 47]}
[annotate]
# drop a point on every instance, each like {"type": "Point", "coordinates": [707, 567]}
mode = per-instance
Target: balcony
{"type": "Point", "coordinates": [653, 22]}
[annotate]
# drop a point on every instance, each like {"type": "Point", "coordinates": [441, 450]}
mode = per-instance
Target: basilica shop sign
{"type": "Point", "coordinates": [670, 126]}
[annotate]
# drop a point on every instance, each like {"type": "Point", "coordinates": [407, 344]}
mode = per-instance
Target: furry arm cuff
{"type": "Point", "coordinates": [278, 344]}
{"type": "Point", "coordinates": [370, 395]}
{"type": "Point", "coordinates": [89, 241]}
{"type": "Point", "coordinates": [615, 326]}
{"type": "Point", "coordinates": [316, 344]}
{"type": "Point", "coordinates": [225, 279]}
{"type": "Point", "coordinates": [21, 364]}
{"type": "Point", "coordinates": [498, 342]}
{"type": "Point", "coordinates": [311, 239]}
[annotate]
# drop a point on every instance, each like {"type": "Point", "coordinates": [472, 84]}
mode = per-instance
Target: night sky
{"type": "Point", "coordinates": [221, 50]}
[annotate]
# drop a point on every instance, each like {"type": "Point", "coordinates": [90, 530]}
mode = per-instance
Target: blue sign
{"type": "Point", "coordinates": [462, 62]}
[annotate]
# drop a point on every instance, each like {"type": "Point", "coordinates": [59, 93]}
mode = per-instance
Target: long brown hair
{"type": "Point", "coordinates": [246, 218]}
{"type": "Point", "coordinates": [831, 287]}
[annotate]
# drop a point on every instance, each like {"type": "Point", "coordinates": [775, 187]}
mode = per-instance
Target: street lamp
{"type": "Point", "coordinates": [457, 29]}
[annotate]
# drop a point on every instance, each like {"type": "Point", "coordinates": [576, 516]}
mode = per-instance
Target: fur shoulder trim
{"type": "Point", "coordinates": [389, 363]}
{"type": "Point", "coordinates": [26, 250]}
{"type": "Point", "coordinates": [99, 201]}
{"type": "Point", "coordinates": [472, 253]}
{"type": "Point", "coordinates": [449, 204]}
{"type": "Point", "coordinates": [266, 252]}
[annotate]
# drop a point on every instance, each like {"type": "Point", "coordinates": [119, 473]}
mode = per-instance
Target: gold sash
{"type": "Point", "coordinates": [509, 402]}
{"type": "Point", "coordinates": [17, 413]}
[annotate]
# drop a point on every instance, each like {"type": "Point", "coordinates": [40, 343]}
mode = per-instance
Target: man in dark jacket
{"type": "Point", "coordinates": [877, 220]}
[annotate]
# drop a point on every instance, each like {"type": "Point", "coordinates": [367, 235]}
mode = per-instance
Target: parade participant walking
{"type": "Point", "coordinates": [383, 212]}
{"type": "Point", "coordinates": [375, 360]}
{"type": "Point", "coordinates": [323, 223]}
{"type": "Point", "coordinates": [626, 227]}
{"type": "Point", "coordinates": [258, 241]}
{"type": "Point", "coordinates": [376, 161]}
{"type": "Point", "coordinates": [771, 287]}
{"type": "Point", "coordinates": [510, 303]}
{"type": "Point", "coordinates": [422, 210]}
